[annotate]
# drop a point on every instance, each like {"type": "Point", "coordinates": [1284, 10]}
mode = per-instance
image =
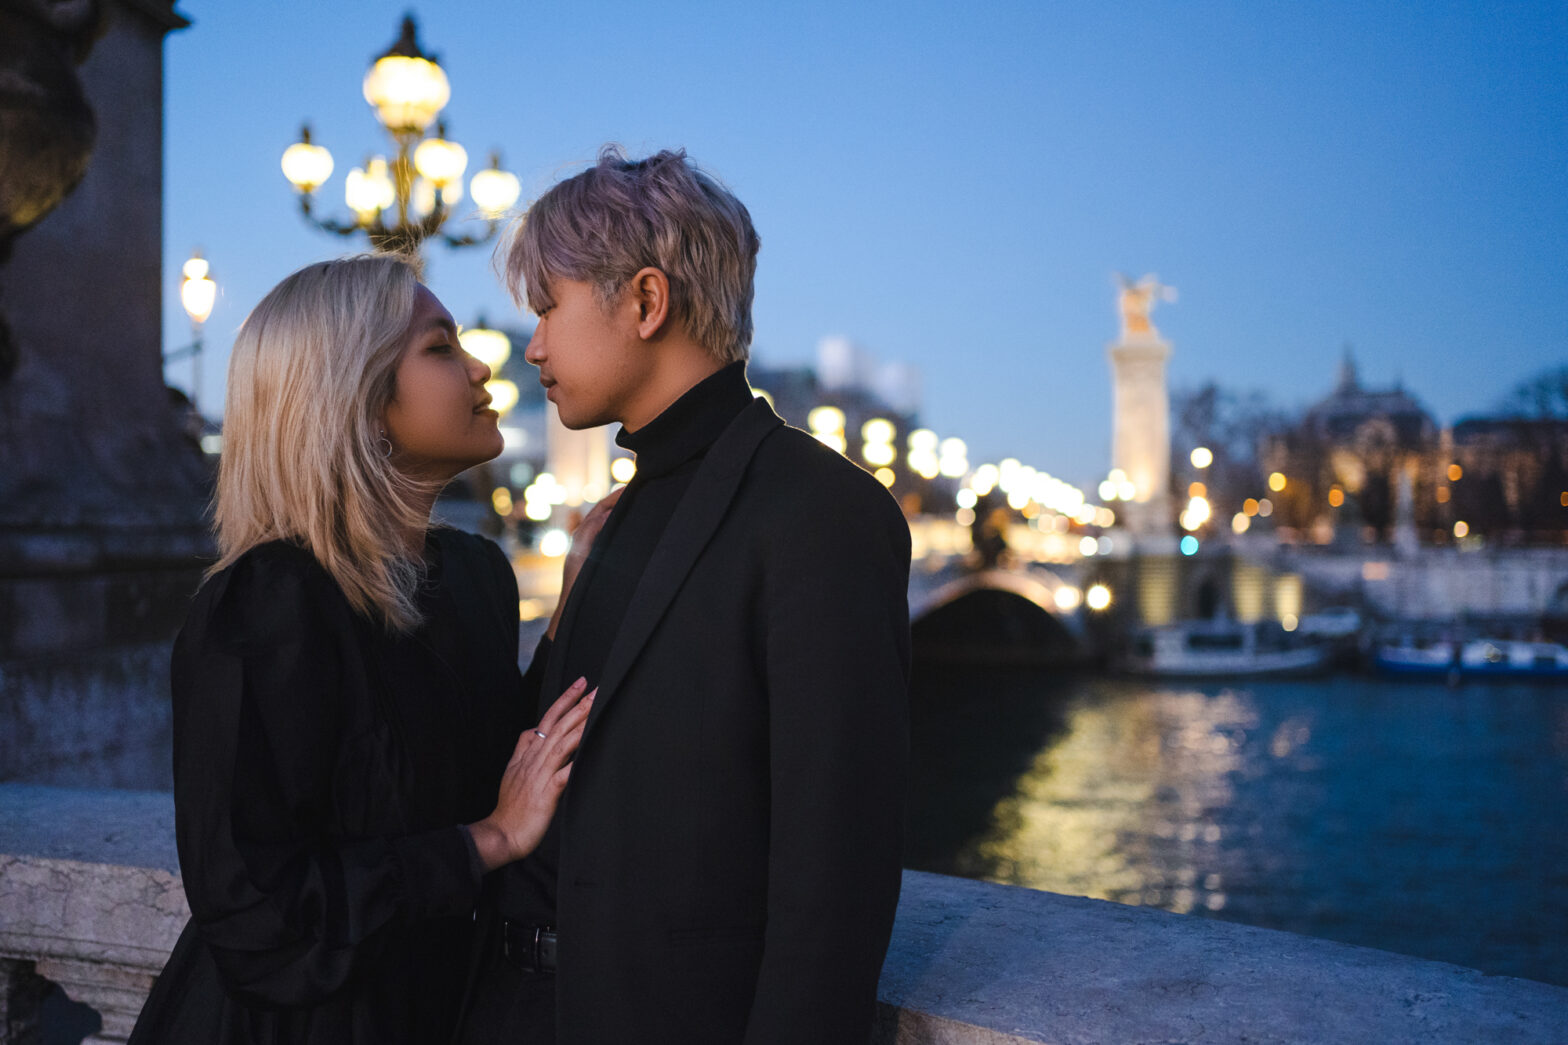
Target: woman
{"type": "Point", "coordinates": [346, 692]}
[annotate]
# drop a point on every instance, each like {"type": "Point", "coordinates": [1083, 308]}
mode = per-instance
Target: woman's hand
{"type": "Point", "coordinates": [533, 781]}
{"type": "Point", "coordinates": [582, 540]}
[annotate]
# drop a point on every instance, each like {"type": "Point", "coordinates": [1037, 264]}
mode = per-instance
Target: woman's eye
{"type": "Point", "coordinates": [442, 347]}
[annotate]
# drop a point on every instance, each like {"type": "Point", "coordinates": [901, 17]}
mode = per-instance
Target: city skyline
{"type": "Point", "coordinates": [955, 191]}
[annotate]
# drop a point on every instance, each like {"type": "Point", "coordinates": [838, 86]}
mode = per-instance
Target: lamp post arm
{"type": "Point", "coordinates": [325, 224]}
{"type": "Point", "coordinates": [492, 226]}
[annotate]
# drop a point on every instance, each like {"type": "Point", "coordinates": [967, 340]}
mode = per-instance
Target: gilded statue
{"type": "Point", "coordinates": [1137, 300]}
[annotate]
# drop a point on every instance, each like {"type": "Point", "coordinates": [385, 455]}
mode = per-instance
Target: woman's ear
{"type": "Point", "coordinates": [650, 295]}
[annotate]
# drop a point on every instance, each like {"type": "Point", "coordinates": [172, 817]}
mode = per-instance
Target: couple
{"type": "Point", "coordinates": [682, 824]}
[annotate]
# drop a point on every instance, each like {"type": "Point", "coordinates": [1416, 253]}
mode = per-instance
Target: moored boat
{"type": "Point", "coordinates": [1410, 657]}
{"type": "Point", "coordinates": [1511, 658]}
{"type": "Point", "coordinates": [1474, 658]}
{"type": "Point", "coordinates": [1224, 649]}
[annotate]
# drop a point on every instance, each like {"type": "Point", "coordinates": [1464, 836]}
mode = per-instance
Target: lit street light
{"type": "Point", "coordinates": [198, 293]}
{"type": "Point", "coordinates": [400, 203]}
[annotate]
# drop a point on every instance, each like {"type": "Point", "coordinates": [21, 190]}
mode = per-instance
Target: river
{"type": "Point", "coordinates": [1411, 817]}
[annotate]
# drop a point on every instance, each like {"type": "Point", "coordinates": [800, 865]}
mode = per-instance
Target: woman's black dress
{"type": "Point", "coordinates": [322, 767]}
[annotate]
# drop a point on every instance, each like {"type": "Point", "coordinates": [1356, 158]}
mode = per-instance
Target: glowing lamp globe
{"type": "Point", "coordinates": [440, 161]}
{"type": "Point", "coordinates": [198, 292]}
{"type": "Point", "coordinates": [503, 396]}
{"type": "Point", "coordinates": [305, 164]}
{"type": "Point", "coordinates": [407, 88]}
{"type": "Point", "coordinates": [490, 347]}
{"type": "Point", "coordinates": [494, 191]}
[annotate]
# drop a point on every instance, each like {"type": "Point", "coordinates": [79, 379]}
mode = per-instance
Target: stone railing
{"type": "Point", "coordinates": [90, 899]}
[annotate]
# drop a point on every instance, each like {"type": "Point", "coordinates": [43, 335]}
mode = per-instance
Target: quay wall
{"type": "Point", "coordinates": [90, 899]}
{"type": "Point", "coordinates": [1435, 584]}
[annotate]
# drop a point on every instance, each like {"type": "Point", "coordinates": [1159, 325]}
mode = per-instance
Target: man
{"type": "Point", "coordinates": [724, 865]}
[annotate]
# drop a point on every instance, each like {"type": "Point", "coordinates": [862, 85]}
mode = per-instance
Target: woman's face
{"type": "Point", "coordinates": [439, 419]}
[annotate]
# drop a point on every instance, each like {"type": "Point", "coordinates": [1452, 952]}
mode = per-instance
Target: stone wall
{"type": "Point", "coordinates": [90, 899]}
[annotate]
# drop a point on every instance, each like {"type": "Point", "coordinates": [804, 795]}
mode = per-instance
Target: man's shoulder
{"type": "Point", "coordinates": [801, 476]}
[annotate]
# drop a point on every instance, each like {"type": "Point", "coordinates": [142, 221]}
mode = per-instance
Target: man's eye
{"type": "Point", "coordinates": [442, 346]}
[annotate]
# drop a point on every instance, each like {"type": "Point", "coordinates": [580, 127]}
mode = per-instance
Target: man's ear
{"type": "Point", "coordinates": [650, 296]}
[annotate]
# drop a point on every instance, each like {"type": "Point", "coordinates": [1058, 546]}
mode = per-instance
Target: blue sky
{"type": "Point", "coordinates": [954, 186]}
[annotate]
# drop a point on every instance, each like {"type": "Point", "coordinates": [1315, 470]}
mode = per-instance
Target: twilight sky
{"type": "Point", "coordinates": [955, 185]}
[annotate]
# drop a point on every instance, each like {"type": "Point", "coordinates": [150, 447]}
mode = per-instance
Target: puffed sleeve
{"type": "Point", "coordinates": [288, 908]}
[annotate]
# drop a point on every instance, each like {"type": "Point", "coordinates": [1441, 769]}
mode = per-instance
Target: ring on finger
{"type": "Point", "coordinates": [539, 734]}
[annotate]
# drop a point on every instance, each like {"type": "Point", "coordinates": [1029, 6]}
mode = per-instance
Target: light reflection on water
{"type": "Point", "coordinates": [1408, 817]}
{"type": "Point", "coordinates": [1124, 806]}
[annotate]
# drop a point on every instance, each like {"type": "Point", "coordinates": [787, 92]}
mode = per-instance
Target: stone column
{"type": "Point", "coordinates": [1141, 437]}
{"type": "Point", "coordinates": [102, 493]}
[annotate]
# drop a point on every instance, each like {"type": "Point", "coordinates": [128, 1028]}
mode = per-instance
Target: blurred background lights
{"type": "Point", "coordinates": [554, 543]}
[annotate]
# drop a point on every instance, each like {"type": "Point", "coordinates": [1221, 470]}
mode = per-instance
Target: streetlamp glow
{"type": "Point", "coordinates": [400, 202]}
{"type": "Point", "coordinates": [440, 161]}
{"type": "Point", "coordinates": [503, 395]}
{"type": "Point", "coordinates": [490, 347]}
{"type": "Point", "coordinates": [494, 190]}
{"type": "Point", "coordinates": [198, 292]}
{"type": "Point", "coordinates": [407, 87]}
{"type": "Point", "coordinates": [305, 164]}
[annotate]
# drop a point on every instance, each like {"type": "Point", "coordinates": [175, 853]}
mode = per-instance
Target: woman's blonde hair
{"type": "Point", "coordinates": [313, 368]}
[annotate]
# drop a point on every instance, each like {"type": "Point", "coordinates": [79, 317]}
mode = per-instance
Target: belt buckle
{"type": "Point", "coordinates": [533, 960]}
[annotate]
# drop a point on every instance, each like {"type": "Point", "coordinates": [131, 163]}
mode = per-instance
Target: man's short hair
{"type": "Point", "coordinates": [619, 216]}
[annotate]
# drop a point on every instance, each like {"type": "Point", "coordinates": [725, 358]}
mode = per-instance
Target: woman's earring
{"type": "Point", "coordinates": [385, 445]}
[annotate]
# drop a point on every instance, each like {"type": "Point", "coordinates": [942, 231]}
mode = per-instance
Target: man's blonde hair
{"type": "Point", "coordinates": [620, 216]}
{"type": "Point", "coordinates": [304, 460]}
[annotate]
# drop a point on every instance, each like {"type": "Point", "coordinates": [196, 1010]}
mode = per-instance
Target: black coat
{"type": "Point", "coordinates": [730, 837]}
{"type": "Point", "coordinates": [322, 767]}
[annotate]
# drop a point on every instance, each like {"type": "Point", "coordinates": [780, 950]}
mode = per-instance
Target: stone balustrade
{"type": "Point", "coordinates": [90, 899]}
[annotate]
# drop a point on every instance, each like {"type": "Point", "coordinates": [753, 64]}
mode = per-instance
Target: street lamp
{"type": "Point", "coordinates": [398, 204]}
{"type": "Point", "coordinates": [492, 348]}
{"type": "Point", "coordinates": [198, 293]}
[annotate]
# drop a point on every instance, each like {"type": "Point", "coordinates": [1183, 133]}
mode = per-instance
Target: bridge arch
{"type": "Point", "coordinates": [996, 615]}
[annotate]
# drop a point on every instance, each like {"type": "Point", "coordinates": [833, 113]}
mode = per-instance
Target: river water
{"type": "Point", "coordinates": [1411, 817]}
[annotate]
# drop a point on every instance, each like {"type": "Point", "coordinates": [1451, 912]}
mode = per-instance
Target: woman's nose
{"type": "Point", "coordinates": [479, 370]}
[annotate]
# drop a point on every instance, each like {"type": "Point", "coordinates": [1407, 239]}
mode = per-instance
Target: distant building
{"type": "Point", "coordinates": [1347, 459]}
{"type": "Point", "coordinates": [1364, 463]}
{"type": "Point", "coordinates": [1508, 479]}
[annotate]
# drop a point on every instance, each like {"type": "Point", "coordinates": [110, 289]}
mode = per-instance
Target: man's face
{"type": "Point", "coordinates": [591, 360]}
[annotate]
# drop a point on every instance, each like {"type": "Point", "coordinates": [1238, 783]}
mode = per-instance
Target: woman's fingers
{"type": "Point", "coordinates": [562, 704]}
{"type": "Point", "coordinates": [583, 536]}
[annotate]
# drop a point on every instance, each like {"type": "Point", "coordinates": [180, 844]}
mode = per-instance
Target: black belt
{"type": "Point", "coordinates": [529, 947]}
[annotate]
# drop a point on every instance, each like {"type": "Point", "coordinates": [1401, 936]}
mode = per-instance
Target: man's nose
{"type": "Point", "coordinates": [534, 353]}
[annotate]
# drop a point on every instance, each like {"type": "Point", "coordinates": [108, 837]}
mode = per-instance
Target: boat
{"type": "Point", "coordinates": [1224, 649]}
{"type": "Point", "coordinates": [1474, 658]}
{"type": "Point", "coordinates": [1434, 657]}
{"type": "Point", "coordinates": [1512, 658]}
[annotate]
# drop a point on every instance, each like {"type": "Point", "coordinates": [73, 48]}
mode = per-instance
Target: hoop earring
{"type": "Point", "coordinates": [385, 446]}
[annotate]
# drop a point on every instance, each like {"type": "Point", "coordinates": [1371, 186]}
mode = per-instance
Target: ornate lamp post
{"type": "Point", "coordinates": [399, 203]}
{"type": "Point", "coordinates": [198, 293]}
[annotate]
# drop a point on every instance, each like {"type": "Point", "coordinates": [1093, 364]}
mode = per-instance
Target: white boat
{"type": "Point", "coordinates": [1224, 648]}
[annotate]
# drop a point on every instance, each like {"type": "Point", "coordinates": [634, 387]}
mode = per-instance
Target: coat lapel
{"type": "Point", "coordinates": [696, 518]}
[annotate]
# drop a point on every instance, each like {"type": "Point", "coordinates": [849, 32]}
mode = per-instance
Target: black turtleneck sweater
{"type": "Point", "coordinates": [669, 450]}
